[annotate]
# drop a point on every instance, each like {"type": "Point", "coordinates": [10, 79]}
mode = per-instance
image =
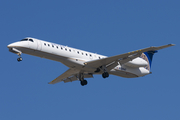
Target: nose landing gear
{"type": "Point", "coordinates": [20, 58]}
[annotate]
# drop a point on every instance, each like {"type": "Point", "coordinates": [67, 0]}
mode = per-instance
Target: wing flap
{"type": "Point", "coordinates": [71, 79]}
{"type": "Point", "coordinates": [75, 77]}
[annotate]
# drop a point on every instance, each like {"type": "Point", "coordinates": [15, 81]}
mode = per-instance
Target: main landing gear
{"type": "Point", "coordinates": [82, 80]}
{"type": "Point", "coordinates": [105, 75]}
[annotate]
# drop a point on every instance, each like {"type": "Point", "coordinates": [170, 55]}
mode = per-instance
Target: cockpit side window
{"type": "Point", "coordinates": [24, 39]}
{"type": "Point", "coordinates": [31, 40]}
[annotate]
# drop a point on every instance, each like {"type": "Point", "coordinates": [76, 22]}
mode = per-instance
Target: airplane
{"type": "Point", "coordinates": [83, 64]}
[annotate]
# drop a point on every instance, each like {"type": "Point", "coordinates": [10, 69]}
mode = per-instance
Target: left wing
{"type": "Point", "coordinates": [69, 76]}
{"type": "Point", "coordinates": [122, 58]}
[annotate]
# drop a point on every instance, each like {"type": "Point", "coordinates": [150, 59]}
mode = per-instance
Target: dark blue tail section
{"type": "Point", "coordinates": [149, 55]}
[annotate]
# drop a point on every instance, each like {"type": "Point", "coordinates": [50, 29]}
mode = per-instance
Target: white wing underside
{"type": "Point", "coordinates": [69, 76]}
{"type": "Point", "coordinates": [72, 74]}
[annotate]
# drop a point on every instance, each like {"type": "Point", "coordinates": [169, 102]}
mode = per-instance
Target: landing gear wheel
{"type": "Point", "coordinates": [105, 75]}
{"type": "Point", "coordinates": [19, 59]}
{"type": "Point", "coordinates": [84, 82]}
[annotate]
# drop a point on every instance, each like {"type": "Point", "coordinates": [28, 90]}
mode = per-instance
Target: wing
{"type": "Point", "coordinates": [69, 76]}
{"type": "Point", "coordinates": [111, 62]}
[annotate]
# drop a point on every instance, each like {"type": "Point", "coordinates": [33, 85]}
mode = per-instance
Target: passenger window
{"type": "Point", "coordinates": [57, 47]}
{"type": "Point", "coordinates": [66, 49]}
{"type": "Point", "coordinates": [48, 45]}
{"type": "Point", "coordinates": [31, 40]}
{"type": "Point", "coordinates": [78, 52]}
{"type": "Point", "coordinates": [52, 45]}
{"type": "Point", "coordinates": [82, 53]}
{"type": "Point", "coordinates": [69, 50]}
{"type": "Point", "coordinates": [99, 57]}
{"type": "Point", "coordinates": [86, 54]}
{"type": "Point", "coordinates": [90, 55]}
{"type": "Point", "coordinates": [45, 44]}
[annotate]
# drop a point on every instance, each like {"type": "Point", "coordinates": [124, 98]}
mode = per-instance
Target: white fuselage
{"type": "Point", "coordinates": [75, 58]}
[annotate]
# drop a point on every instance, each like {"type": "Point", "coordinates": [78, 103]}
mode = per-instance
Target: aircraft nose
{"type": "Point", "coordinates": [10, 45]}
{"type": "Point", "coordinates": [13, 45]}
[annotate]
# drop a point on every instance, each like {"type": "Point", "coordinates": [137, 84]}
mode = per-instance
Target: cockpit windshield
{"type": "Point", "coordinates": [31, 40]}
{"type": "Point", "coordinates": [24, 39]}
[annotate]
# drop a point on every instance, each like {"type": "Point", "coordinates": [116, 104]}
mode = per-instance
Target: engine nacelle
{"type": "Point", "coordinates": [137, 62]}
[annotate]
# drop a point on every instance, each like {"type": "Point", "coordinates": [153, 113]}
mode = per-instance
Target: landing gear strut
{"type": "Point", "coordinates": [82, 80]}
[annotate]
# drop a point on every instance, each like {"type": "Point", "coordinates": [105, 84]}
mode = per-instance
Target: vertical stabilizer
{"type": "Point", "coordinates": [148, 56]}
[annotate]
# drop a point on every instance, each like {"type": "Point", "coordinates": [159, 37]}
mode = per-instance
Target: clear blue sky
{"type": "Point", "coordinates": [102, 26]}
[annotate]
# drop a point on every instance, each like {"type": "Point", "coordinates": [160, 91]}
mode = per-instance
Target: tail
{"type": "Point", "coordinates": [148, 56]}
{"type": "Point", "coordinates": [148, 53]}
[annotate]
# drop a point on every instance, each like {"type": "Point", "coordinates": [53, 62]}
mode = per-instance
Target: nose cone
{"type": "Point", "coordinates": [17, 44]}
{"type": "Point", "coordinates": [13, 45]}
{"type": "Point", "coordinates": [10, 45]}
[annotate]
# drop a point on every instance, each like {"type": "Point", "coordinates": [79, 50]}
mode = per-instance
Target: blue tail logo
{"type": "Point", "coordinates": [148, 56]}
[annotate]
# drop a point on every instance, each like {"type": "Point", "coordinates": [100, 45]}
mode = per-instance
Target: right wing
{"type": "Point", "coordinates": [69, 74]}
